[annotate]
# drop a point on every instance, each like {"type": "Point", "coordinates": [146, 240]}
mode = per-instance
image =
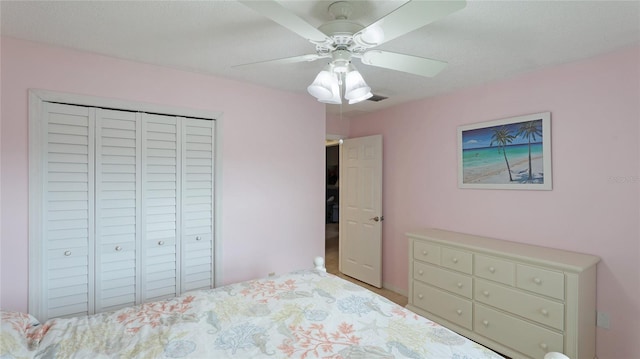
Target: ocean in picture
{"type": "Point", "coordinates": [483, 163]}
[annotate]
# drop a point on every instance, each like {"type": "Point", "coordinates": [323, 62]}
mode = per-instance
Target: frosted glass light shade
{"type": "Point", "coordinates": [361, 98]}
{"type": "Point", "coordinates": [355, 87]}
{"type": "Point", "coordinates": [322, 86]}
{"type": "Point", "coordinates": [335, 92]}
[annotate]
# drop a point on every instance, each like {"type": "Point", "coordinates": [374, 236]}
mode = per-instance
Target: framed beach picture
{"type": "Point", "coordinates": [512, 153]}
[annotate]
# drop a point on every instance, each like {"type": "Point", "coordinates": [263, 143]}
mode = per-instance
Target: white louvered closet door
{"type": "Point", "coordinates": [197, 204]}
{"type": "Point", "coordinates": [67, 211]}
{"type": "Point", "coordinates": [118, 204]}
{"type": "Point", "coordinates": [161, 206]}
{"type": "Point", "coordinates": [126, 211]}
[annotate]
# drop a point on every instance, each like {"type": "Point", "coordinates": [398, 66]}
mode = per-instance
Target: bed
{"type": "Point", "coordinates": [303, 314]}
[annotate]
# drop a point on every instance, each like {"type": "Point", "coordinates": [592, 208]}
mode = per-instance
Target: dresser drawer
{"type": "Point", "coordinates": [451, 281]}
{"type": "Point", "coordinates": [426, 252]}
{"type": "Point", "coordinates": [448, 306]}
{"type": "Point", "coordinates": [541, 310]}
{"type": "Point", "coordinates": [542, 281]}
{"type": "Point", "coordinates": [457, 260]}
{"type": "Point", "coordinates": [495, 269]}
{"type": "Point", "coordinates": [518, 334]}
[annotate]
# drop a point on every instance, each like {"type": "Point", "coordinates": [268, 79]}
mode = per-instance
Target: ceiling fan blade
{"type": "Point", "coordinates": [409, 17]}
{"type": "Point", "coordinates": [278, 13]}
{"type": "Point", "coordinates": [406, 63]}
{"type": "Point", "coordinates": [286, 60]}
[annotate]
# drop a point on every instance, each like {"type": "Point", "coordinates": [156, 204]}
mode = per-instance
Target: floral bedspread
{"type": "Point", "coordinates": [305, 314]}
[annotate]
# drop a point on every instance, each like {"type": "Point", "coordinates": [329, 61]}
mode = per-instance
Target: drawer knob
{"type": "Point", "coordinates": [485, 323]}
{"type": "Point", "coordinates": [198, 238]}
{"type": "Point", "coordinates": [544, 312]}
{"type": "Point", "coordinates": [459, 285]}
{"type": "Point", "coordinates": [485, 293]}
{"type": "Point", "coordinates": [543, 346]}
{"type": "Point", "coordinates": [424, 253]}
{"type": "Point", "coordinates": [420, 296]}
{"type": "Point", "coordinates": [459, 312]}
{"type": "Point", "coordinates": [537, 280]}
{"type": "Point", "coordinates": [118, 248]}
{"type": "Point", "coordinates": [160, 243]}
{"type": "Point", "coordinates": [455, 260]}
{"type": "Point", "coordinates": [492, 270]}
{"type": "Point", "coordinates": [67, 253]}
{"type": "Point", "coordinates": [421, 272]}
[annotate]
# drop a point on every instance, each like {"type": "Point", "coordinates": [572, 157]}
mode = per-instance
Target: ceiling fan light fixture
{"type": "Point", "coordinates": [341, 61]}
{"type": "Point", "coordinates": [340, 66]}
{"type": "Point", "coordinates": [322, 86]}
{"type": "Point", "coordinates": [354, 85]}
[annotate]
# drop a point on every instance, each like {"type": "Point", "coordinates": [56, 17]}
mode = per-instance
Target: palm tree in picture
{"type": "Point", "coordinates": [502, 137]}
{"type": "Point", "coordinates": [530, 130]}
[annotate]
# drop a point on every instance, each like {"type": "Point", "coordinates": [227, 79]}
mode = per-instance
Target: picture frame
{"type": "Point", "coordinates": [511, 153]}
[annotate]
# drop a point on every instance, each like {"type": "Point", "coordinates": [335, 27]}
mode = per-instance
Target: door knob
{"type": "Point", "coordinates": [377, 219]}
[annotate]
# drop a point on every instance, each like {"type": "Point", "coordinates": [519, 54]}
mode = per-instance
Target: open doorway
{"type": "Point", "coordinates": [332, 206]}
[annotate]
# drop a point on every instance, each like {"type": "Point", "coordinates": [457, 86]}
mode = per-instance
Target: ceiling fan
{"type": "Point", "coordinates": [342, 39]}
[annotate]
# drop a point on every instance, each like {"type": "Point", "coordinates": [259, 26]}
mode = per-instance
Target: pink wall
{"type": "Point", "coordinates": [272, 168]}
{"type": "Point", "coordinates": [337, 125]}
{"type": "Point", "coordinates": [594, 204]}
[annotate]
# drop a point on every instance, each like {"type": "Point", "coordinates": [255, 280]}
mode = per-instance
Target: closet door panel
{"type": "Point", "coordinates": [197, 204]}
{"type": "Point", "coordinates": [118, 198]}
{"type": "Point", "coordinates": [161, 204]}
{"type": "Point", "coordinates": [68, 210]}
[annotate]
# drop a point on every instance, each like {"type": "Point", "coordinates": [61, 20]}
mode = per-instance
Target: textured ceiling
{"type": "Point", "coordinates": [486, 41]}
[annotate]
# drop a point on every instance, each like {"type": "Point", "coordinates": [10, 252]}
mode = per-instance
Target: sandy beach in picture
{"type": "Point", "coordinates": [497, 172]}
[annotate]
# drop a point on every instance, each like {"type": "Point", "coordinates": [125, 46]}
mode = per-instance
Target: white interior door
{"type": "Point", "coordinates": [361, 209]}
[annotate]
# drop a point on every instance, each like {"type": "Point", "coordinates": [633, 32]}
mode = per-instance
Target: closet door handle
{"type": "Point", "coordinates": [67, 253]}
{"type": "Point", "coordinates": [160, 243]}
{"type": "Point", "coordinates": [198, 238]}
{"type": "Point", "coordinates": [118, 248]}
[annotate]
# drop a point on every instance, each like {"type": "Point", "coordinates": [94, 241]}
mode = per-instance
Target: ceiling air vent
{"type": "Point", "coordinates": [377, 98]}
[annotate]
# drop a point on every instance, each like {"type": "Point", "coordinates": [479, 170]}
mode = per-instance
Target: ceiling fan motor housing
{"type": "Point", "coordinates": [340, 30]}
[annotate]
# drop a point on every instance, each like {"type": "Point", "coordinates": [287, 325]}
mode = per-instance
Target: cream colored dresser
{"type": "Point", "coordinates": [520, 300]}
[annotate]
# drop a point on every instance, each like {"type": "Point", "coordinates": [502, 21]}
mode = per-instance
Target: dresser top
{"type": "Point", "coordinates": [561, 259]}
